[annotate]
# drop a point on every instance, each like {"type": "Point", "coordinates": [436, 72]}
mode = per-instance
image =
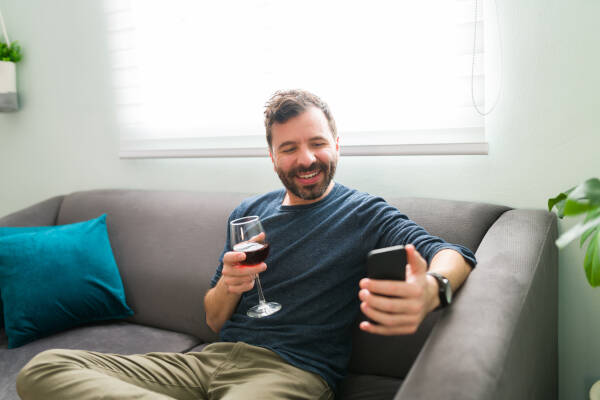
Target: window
{"type": "Point", "coordinates": [191, 77]}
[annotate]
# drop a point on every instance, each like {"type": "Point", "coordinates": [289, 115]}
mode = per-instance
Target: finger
{"type": "Point", "coordinates": [258, 238]}
{"type": "Point", "coordinates": [242, 270]}
{"type": "Point", "coordinates": [417, 264]}
{"type": "Point", "coordinates": [234, 257]}
{"type": "Point", "coordinates": [386, 330]}
{"type": "Point", "coordinates": [241, 287]}
{"type": "Point", "coordinates": [391, 288]}
{"type": "Point", "coordinates": [390, 304]}
{"type": "Point", "coordinates": [388, 319]}
{"type": "Point", "coordinates": [236, 280]}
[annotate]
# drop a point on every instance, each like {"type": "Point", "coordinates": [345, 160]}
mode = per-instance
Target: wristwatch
{"type": "Point", "coordinates": [445, 291]}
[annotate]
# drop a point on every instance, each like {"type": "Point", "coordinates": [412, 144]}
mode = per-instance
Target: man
{"type": "Point", "coordinates": [319, 233]}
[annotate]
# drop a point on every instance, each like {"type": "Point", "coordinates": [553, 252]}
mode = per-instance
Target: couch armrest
{"type": "Point", "coordinates": [40, 214]}
{"type": "Point", "coordinates": [499, 338]}
{"type": "Point", "coordinates": [43, 213]}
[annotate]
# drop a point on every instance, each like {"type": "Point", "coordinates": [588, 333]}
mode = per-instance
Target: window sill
{"type": "Point", "coordinates": [356, 150]}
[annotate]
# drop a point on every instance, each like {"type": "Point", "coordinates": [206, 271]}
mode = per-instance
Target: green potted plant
{"type": "Point", "coordinates": [583, 199]}
{"type": "Point", "coordinates": [10, 53]}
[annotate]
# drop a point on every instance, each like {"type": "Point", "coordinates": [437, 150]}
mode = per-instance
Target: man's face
{"type": "Point", "coordinates": [305, 156]}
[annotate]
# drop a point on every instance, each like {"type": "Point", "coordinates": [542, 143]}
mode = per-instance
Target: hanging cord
{"type": "Point", "coordinates": [484, 113]}
{"type": "Point", "coordinates": [4, 29]}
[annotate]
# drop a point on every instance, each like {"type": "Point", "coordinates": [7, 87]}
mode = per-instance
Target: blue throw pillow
{"type": "Point", "coordinates": [54, 278]}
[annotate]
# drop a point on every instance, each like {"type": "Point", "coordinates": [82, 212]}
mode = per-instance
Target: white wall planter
{"type": "Point", "coordinates": [8, 87]}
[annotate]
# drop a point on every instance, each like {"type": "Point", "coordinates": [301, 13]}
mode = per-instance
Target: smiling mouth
{"type": "Point", "coordinates": [309, 175]}
{"type": "Point", "coordinates": [309, 178]}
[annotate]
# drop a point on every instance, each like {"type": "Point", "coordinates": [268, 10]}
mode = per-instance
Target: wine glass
{"type": "Point", "coordinates": [247, 235]}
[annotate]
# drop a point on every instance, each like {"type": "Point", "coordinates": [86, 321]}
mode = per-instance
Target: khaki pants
{"type": "Point", "coordinates": [220, 371]}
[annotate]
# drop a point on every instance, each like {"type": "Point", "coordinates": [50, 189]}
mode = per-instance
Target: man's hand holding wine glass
{"type": "Point", "coordinates": [239, 278]}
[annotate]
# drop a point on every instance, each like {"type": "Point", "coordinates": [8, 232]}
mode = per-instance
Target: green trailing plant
{"type": "Point", "coordinates": [582, 200]}
{"type": "Point", "coordinates": [10, 53]}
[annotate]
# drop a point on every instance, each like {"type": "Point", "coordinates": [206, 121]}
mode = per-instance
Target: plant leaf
{"type": "Point", "coordinates": [591, 215]}
{"type": "Point", "coordinates": [556, 200]}
{"type": "Point", "coordinates": [586, 235]}
{"type": "Point", "coordinates": [591, 189]}
{"type": "Point", "coordinates": [559, 202]}
{"type": "Point", "coordinates": [591, 264]}
{"type": "Point", "coordinates": [10, 52]}
{"type": "Point", "coordinates": [570, 235]}
{"type": "Point", "coordinates": [576, 207]}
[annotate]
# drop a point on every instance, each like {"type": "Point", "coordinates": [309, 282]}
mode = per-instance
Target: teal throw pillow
{"type": "Point", "coordinates": [54, 278]}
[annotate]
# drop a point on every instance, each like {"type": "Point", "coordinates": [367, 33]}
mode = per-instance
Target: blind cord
{"type": "Point", "coordinates": [4, 29]}
{"type": "Point", "coordinates": [496, 101]}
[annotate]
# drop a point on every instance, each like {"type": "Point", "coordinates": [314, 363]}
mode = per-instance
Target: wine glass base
{"type": "Point", "coordinates": [263, 309]}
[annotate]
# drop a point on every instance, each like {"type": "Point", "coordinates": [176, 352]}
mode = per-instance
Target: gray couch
{"type": "Point", "coordinates": [497, 341]}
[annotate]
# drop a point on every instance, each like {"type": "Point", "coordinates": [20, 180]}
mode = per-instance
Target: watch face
{"type": "Point", "coordinates": [448, 291]}
{"type": "Point", "coordinates": [448, 294]}
{"type": "Point", "coordinates": [445, 290]}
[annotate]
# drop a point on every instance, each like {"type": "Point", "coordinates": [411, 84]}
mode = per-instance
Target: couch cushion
{"type": "Point", "coordinates": [390, 356]}
{"type": "Point", "coordinates": [368, 387]}
{"type": "Point", "coordinates": [54, 278]}
{"type": "Point", "coordinates": [112, 337]}
{"type": "Point", "coordinates": [167, 246]}
{"type": "Point", "coordinates": [198, 348]}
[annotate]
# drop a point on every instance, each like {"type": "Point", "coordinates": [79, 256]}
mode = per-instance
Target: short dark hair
{"type": "Point", "coordinates": [287, 104]}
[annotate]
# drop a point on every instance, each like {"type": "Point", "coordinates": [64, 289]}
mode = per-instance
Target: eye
{"type": "Point", "coordinates": [288, 150]}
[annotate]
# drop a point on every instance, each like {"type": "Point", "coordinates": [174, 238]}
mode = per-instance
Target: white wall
{"type": "Point", "coordinates": [544, 137]}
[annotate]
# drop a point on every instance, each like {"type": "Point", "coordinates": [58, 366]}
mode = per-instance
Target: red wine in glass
{"type": "Point", "coordinates": [247, 235]}
{"type": "Point", "coordinates": [255, 252]}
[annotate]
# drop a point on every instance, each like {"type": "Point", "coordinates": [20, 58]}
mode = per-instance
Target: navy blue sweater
{"type": "Point", "coordinates": [317, 257]}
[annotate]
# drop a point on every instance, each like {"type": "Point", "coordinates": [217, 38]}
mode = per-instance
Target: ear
{"type": "Point", "coordinates": [337, 144]}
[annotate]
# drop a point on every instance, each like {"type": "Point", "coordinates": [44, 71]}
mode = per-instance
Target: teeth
{"type": "Point", "coordinates": [309, 175]}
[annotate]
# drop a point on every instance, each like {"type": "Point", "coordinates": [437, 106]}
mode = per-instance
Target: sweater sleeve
{"type": "Point", "coordinates": [385, 225]}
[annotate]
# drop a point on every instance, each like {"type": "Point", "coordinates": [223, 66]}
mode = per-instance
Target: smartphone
{"type": "Point", "coordinates": [388, 263]}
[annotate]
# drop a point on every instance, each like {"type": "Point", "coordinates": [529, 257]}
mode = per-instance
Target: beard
{"type": "Point", "coordinates": [310, 192]}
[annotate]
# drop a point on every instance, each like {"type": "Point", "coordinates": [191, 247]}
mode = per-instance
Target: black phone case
{"type": "Point", "coordinates": [387, 263]}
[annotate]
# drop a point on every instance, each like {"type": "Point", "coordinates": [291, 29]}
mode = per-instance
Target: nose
{"type": "Point", "coordinates": [306, 157]}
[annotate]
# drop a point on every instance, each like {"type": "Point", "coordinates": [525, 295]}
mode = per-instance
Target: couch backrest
{"type": "Point", "coordinates": [166, 245]}
{"type": "Point", "coordinates": [459, 222]}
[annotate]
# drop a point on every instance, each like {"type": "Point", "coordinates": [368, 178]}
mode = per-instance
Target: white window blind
{"type": "Point", "coordinates": [191, 77]}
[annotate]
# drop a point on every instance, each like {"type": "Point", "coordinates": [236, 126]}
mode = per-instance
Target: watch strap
{"type": "Point", "coordinates": [444, 287]}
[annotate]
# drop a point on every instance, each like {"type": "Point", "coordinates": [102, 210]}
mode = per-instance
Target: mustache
{"type": "Point", "coordinates": [319, 166]}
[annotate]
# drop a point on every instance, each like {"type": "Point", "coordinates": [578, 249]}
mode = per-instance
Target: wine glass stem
{"type": "Point", "coordinates": [261, 296]}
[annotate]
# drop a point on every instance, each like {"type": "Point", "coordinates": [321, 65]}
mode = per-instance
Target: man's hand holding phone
{"type": "Point", "coordinates": [397, 307]}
